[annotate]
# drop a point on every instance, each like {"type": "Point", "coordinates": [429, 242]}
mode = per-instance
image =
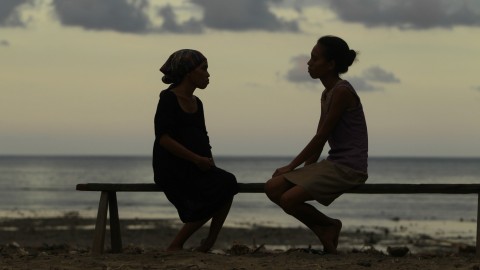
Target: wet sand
{"type": "Point", "coordinates": [65, 242]}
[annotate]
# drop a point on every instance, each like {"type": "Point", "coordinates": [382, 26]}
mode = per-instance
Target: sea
{"type": "Point", "coordinates": [44, 186]}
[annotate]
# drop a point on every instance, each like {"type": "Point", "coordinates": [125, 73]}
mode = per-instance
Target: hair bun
{"type": "Point", "coordinates": [352, 55]}
{"type": "Point", "coordinates": [337, 49]}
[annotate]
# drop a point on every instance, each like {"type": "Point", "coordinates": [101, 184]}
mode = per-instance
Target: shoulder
{"type": "Point", "coordinates": [344, 87]}
{"type": "Point", "coordinates": [341, 92]}
{"type": "Point", "coordinates": [167, 99]}
{"type": "Point", "coordinates": [167, 96]}
{"type": "Point", "coordinates": [198, 99]}
{"type": "Point", "coordinates": [199, 104]}
{"type": "Point", "coordinates": [344, 92]}
{"type": "Point", "coordinates": [166, 93]}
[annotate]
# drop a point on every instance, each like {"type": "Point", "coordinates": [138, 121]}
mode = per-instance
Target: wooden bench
{"type": "Point", "coordinates": [108, 201]}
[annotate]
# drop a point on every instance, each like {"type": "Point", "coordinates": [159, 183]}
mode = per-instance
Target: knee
{"type": "Point", "coordinates": [271, 191]}
{"type": "Point", "coordinates": [230, 177]}
{"type": "Point", "coordinates": [230, 181]}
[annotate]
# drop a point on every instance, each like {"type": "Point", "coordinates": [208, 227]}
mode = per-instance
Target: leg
{"type": "Point", "coordinates": [189, 228]}
{"type": "Point", "coordinates": [100, 225]}
{"type": "Point", "coordinates": [115, 234]}
{"type": "Point", "coordinates": [326, 228]}
{"type": "Point", "coordinates": [185, 232]}
{"type": "Point", "coordinates": [215, 226]}
{"type": "Point", "coordinates": [275, 187]}
{"type": "Point", "coordinates": [478, 228]}
{"type": "Point", "coordinates": [292, 200]}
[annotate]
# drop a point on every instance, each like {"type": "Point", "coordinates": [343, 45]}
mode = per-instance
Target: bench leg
{"type": "Point", "coordinates": [477, 245]}
{"type": "Point", "coordinates": [114, 223]}
{"type": "Point", "coordinates": [100, 225]}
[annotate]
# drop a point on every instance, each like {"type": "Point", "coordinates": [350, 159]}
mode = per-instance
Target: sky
{"type": "Point", "coordinates": [82, 78]}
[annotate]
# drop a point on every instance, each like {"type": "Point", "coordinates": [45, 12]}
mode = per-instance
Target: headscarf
{"type": "Point", "coordinates": [179, 64]}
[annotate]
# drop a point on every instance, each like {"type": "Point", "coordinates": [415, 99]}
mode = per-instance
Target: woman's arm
{"type": "Point", "coordinates": [341, 100]}
{"type": "Point", "coordinates": [177, 149]}
{"type": "Point", "coordinates": [316, 156]}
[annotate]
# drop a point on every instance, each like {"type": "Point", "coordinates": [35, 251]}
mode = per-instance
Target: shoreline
{"type": "Point", "coordinates": [64, 242]}
{"type": "Point", "coordinates": [419, 236]}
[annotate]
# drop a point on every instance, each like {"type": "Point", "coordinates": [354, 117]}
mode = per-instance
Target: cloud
{"type": "Point", "coordinates": [10, 13]}
{"type": "Point", "coordinates": [118, 15]}
{"type": "Point", "coordinates": [131, 16]}
{"type": "Point", "coordinates": [380, 75]}
{"type": "Point", "coordinates": [362, 84]}
{"type": "Point", "coordinates": [242, 15]}
{"type": "Point", "coordinates": [409, 14]}
{"type": "Point", "coordinates": [299, 72]}
{"type": "Point", "coordinates": [170, 22]}
{"type": "Point", "coordinates": [4, 43]}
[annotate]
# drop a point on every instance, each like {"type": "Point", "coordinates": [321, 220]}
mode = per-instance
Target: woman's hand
{"type": "Point", "coordinates": [204, 163]}
{"type": "Point", "coordinates": [282, 170]}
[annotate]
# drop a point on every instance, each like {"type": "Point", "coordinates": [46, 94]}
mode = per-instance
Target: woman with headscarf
{"type": "Point", "coordinates": [183, 164]}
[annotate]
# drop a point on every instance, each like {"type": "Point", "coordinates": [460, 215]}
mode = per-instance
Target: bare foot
{"type": "Point", "coordinates": [173, 249]}
{"type": "Point", "coordinates": [329, 235]}
{"type": "Point", "coordinates": [339, 228]}
{"type": "Point", "coordinates": [205, 245]}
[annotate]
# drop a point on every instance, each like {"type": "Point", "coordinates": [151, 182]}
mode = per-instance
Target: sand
{"type": "Point", "coordinates": [65, 242]}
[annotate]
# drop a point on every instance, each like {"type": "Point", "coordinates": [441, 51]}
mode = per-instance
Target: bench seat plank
{"type": "Point", "coordinates": [258, 188]}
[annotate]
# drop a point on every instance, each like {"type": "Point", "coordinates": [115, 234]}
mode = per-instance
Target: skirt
{"type": "Point", "coordinates": [325, 181]}
{"type": "Point", "coordinates": [197, 195]}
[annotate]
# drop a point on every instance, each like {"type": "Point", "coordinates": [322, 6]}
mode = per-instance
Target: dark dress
{"type": "Point", "coordinates": [196, 194]}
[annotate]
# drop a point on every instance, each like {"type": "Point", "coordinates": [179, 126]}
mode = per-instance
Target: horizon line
{"type": "Point", "coordinates": [228, 156]}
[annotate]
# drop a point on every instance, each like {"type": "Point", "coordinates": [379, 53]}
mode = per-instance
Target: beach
{"type": "Point", "coordinates": [64, 242]}
{"type": "Point", "coordinates": [46, 224]}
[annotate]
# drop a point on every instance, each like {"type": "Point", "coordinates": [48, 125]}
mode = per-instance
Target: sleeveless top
{"type": "Point", "coordinates": [349, 140]}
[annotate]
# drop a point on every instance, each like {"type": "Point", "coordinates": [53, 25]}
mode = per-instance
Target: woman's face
{"type": "Point", "coordinates": [318, 66]}
{"type": "Point", "coordinates": [200, 76]}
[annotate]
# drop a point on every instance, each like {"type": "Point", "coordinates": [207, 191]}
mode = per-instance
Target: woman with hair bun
{"type": "Point", "coordinates": [183, 164]}
{"type": "Point", "coordinates": [342, 124]}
